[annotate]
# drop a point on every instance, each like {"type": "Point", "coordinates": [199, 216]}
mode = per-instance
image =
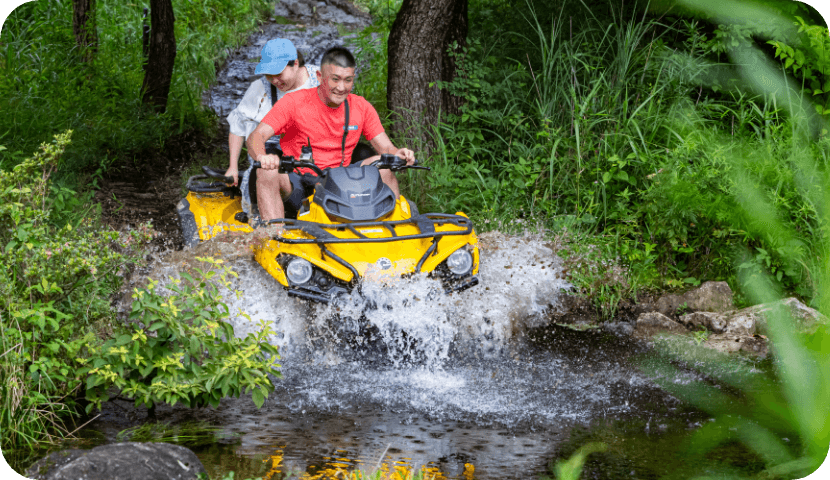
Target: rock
{"type": "Point", "coordinates": [709, 320]}
{"type": "Point", "coordinates": [120, 461]}
{"type": "Point", "coordinates": [651, 323]}
{"type": "Point", "coordinates": [281, 10]}
{"type": "Point", "coordinates": [299, 9]}
{"type": "Point", "coordinates": [709, 297]}
{"type": "Point", "coordinates": [752, 320]}
{"type": "Point", "coordinates": [805, 318]}
{"type": "Point", "coordinates": [622, 329]}
{"type": "Point", "coordinates": [668, 304]}
{"type": "Point", "coordinates": [732, 343]}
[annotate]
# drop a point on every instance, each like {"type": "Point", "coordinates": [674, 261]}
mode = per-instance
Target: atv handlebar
{"type": "Point", "coordinates": [289, 164]}
{"type": "Point", "coordinates": [392, 162]}
{"type": "Point", "coordinates": [217, 174]}
{"type": "Point", "coordinates": [396, 163]}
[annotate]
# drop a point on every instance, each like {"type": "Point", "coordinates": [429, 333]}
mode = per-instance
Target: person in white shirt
{"type": "Point", "coordinates": [284, 70]}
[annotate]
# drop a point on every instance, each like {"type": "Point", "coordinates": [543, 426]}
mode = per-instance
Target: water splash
{"type": "Point", "coordinates": [404, 320]}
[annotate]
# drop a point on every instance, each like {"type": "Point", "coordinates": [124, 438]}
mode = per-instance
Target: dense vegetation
{"type": "Point", "coordinates": [46, 88]}
{"type": "Point", "coordinates": [61, 346]}
{"type": "Point", "coordinates": [626, 127]}
{"type": "Point", "coordinates": [634, 134]}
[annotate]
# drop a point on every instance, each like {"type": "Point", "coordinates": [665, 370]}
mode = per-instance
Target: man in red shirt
{"type": "Point", "coordinates": [318, 116]}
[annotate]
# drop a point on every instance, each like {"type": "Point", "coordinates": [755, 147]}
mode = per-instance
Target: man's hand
{"type": "Point", "coordinates": [407, 155]}
{"type": "Point", "coordinates": [233, 172]}
{"type": "Point", "coordinates": [269, 162]}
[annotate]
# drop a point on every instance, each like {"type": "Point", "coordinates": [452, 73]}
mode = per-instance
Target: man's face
{"type": "Point", "coordinates": [287, 80]}
{"type": "Point", "coordinates": [335, 83]}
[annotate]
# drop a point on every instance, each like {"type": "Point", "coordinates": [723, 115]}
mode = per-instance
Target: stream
{"type": "Point", "coordinates": [473, 383]}
{"type": "Point", "coordinates": [477, 384]}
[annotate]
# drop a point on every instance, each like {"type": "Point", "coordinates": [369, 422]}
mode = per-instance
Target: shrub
{"type": "Point", "coordinates": [181, 348]}
{"type": "Point", "coordinates": [53, 295]}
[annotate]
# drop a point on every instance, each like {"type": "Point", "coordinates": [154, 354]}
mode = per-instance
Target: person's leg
{"type": "Point", "coordinates": [272, 187]}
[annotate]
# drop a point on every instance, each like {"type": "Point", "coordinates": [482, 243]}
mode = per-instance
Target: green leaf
{"type": "Point", "coordinates": [259, 398]}
{"type": "Point", "coordinates": [156, 326]}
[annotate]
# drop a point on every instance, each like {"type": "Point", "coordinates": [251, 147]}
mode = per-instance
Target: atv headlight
{"type": "Point", "coordinates": [298, 271]}
{"type": "Point", "coordinates": [460, 262]}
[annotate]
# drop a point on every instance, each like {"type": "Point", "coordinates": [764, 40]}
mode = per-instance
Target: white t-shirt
{"type": "Point", "coordinates": [257, 102]}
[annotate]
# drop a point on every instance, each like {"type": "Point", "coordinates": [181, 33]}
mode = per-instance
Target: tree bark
{"type": "Point", "coordinates": [418, 42]}
{"type": "Point", "coordinates": [83, 26]}
{"type": "Point", "coordinates": [158, 71]}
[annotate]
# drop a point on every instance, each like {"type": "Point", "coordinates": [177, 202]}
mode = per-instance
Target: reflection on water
{"type": "Point", "coordinates": [341, 467]}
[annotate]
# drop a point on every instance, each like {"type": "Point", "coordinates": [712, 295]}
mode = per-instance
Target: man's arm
{"type": "Point", "coordinates": [256, 146]}
{"type": "Point", "coordinates": [382, 144]}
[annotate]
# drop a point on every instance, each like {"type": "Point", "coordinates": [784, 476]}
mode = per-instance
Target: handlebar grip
{"type": "Point", "coordinates": [256, 164]}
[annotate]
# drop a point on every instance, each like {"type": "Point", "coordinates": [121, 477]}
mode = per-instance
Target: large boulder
{"type": "Point", "coordinates": [668, 304]}
{"type": "Point", "coordinates": [120, 461]}
{"type": "Point", "coordinates": [709, 297]}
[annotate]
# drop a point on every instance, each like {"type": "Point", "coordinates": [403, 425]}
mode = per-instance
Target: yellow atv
{"type": "Point", "coordinates": [352, 227]}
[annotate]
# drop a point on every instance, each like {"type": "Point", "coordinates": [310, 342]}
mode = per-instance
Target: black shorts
{"type": "Point", "coordinates": [302, 185]}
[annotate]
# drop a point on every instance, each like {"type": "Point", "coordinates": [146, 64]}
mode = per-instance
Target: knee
{"type": "Point", "coordinates": [388, 176]}
{"type": "Point", "coordinates": [267, 178]}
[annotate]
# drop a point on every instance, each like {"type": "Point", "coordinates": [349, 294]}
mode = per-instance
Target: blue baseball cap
{"type": "Point", "coordinates": [275, 56]}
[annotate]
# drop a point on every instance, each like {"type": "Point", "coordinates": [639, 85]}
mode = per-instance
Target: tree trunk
{"type": "Point", "coordinates": [83, 26]}
{"type": "Point", "coordinates": [418, 43]}
{"type": "Point", "coordinates": [158, 71]}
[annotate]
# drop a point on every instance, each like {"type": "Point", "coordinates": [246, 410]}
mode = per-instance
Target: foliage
{"type": "Point", "coordinates": [780, 416]}
{"type": "Point", "coordinates": [369, 47]}
{"type": "Point", "coordinates": [571, 469]}
{"type": "Point", "coordinates": [182, 349]}
{"type": "Point", "coordinates": [809, 61]}
{"type": "Point", "coordinates": [60, 270]}
{"type": "Point", "coordinates": [619, 127]}
{"type": "Point", "coordinates": [383, 12]}
{"type": "Point", "coordinates": [46, 87]}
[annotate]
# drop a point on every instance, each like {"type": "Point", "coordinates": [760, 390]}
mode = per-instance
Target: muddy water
{"type": "Point", "coordinates": [476, 378]}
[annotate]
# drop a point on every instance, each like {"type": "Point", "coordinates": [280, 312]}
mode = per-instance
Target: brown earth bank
{"type": "Point", "coordinates": [146, 186]}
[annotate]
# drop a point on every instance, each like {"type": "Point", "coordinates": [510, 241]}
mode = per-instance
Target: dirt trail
{"type": "Point", "coordinates": [146, 185]}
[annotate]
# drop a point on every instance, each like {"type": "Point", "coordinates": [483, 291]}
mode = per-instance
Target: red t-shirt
{"type": "Point", "coordinates": [301, 115]}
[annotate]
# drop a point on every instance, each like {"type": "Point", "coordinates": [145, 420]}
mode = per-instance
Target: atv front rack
{"type": "Point", "coordinates": [425, 222]}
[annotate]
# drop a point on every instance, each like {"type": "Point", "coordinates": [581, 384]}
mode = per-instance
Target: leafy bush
{"type": "Point", "coordinates": [53, 296]}
{"type": "Point", "coordinates": [182, 349]}
{"type": "Point", "coordinates": [55, 314]}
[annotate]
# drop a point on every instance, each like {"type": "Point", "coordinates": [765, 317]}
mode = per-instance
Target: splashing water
{"type": "Point", "coordinates": [411, 320]}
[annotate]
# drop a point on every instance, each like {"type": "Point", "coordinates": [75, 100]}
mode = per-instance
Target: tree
{"type": "Point", "coordinates": [158, 71]}
{"type": "Point", "coordinates": [83, 26]}
{"type": "Point", "coordinates": [418, 56]}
